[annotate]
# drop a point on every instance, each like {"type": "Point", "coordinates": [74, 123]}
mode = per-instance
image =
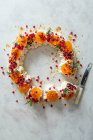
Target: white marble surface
{"type": "Point", "coordinates": [20, 122]}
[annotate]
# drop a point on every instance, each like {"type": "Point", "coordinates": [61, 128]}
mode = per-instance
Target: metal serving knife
{"type": "Point", "coordinates": [83, 83]}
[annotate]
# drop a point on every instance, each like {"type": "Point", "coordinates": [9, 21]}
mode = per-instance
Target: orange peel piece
{"type": "Point", "coordinates": [52, 95]}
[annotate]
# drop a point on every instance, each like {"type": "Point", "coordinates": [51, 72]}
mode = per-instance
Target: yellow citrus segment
{"type": "Point", "coordinates": [40, 37]}
{"type": "Point", "coordinates": [52, 95]}
{"type": "Point", "coordinates": [36, 93]}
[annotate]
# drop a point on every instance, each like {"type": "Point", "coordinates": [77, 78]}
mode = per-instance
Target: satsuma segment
{"type": "Point", "coordinates": [54, 39]}
{"type": "Point", "coordinates": [52, 95]}
{"type": "Point", "coordinates": [15, 76]}
{"type": "Point", "coordinates": [21, 40]}
{"type": "Point", "coordinates": [66, 68]}
{"type": "Point", "coordinates": [36, 93]}
{"type": "Point", "coordinates": [68, 46]}
{"type": "Point", "coordinates": [40, 37]}
{"type": "Point", "coordinates": [24, 87]}
{"type": "Point", "coordinates": [68, 96]}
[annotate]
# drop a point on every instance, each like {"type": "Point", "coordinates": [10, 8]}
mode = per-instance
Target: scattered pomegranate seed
{"type": "Point", "coordinates": [40, 86]}
{"type": "Point", "coordinates": [13, 92]}
{"type": "Point", "coordinates": [60, 98]}
{"type": "Point", "coordinates": [7, 54]}
{"type": "Point", "coordinates": [56, 61]}
{"type": "Point", "coordinates": [26, 26]}
{"type": "Point", "coordinates": [3, 72]}
{"type": "Point", "coordinates": [76, 77]}
{"type": "Point", "coordinates": [33, 26]}
{"type": "Point", "coordinates": [51, 67]}
{"type": "Point", "coordinates": [71, 33]}
{"type": "Point", "coordinates": [75, 35]}
{"type": "Point", "coordinates": [52, 53]}
{"type": "Point", "coordinates": [43, 107]}
{"type": "Point", "coordinates": [38, 77]}
{"type": "Point", "coordinates": [54, 87]}
{"type": "Point", "coordinates": [41, 82]}
{"type": "Point", "coordinates": [50, 88]}
{"type": "Point", "coordinates": [12, 83]}
{"type": "Point", "coordinates": [51, 105]}
{"type": "Point", "coordinates": [81, 65]}
{"type": "Point", "coordinates": [16, 101]}
{"type": "Point", "coordinates": [56, 66]}
{"type": "Point", "coordinates": [74, 40]}
{"type": "Point", "coordinates": [37, 80]}
{"type": "Point", "coordinates": [59, 80]}
{"type": "Point", "coordinates": [2, 68]}
{"type": "Point", "coordinates": [47, 78]}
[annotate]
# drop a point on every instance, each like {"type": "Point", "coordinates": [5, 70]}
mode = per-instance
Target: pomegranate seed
{"type": "Point", "coordinates": [3, 72]}
{"type": "Point", "coordinates": [13, 92]}
{"type": "Point", "coordinates": [47, 78]}
{"type": "Point", "coordinates": [56, 61]}
{"type": "Point", "coordinates": [51, 67]}
{"type": "Point", "coordinates": [37, 80]}
{"type": "Point", "coordinates": [56, 66]}
{"type": "Point", "coordinates": [74, 40]}
{"type": "Point", "coordinates": [75, 35]}
{"type": "Point", "coordinates": [50, 88]}
{"type": "Point", "coordinates": [16, 101]}
{"type": "Point", "coordinates": [71, 33]}
{"type": "Point", "coordinates": [59, 80]}
{"type": "Point", "coordinates": [54, 87]}
{"type": "Point", "coordinates": [41, 82]}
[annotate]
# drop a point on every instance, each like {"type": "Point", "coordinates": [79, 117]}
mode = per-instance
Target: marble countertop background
{"type": "Point", "coordinates": [21, 122]}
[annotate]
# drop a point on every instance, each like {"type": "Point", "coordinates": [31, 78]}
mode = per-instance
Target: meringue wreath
{"type": "Point", "coordinates": [31, 40]}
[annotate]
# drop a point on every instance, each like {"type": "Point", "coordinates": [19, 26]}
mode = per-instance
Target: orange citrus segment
{"type": "Point", "coordinates": [40, 37]}
{"type": "Point", "coordinates": [24, 87]}
{"type": "Point", "coordinates": [35, 93]}
{"type": "Point", "coordinates": [16, 53]}
{"type": "Point", "coordinates": [15, 76]}
{"type": "Point", "coordinates": [52, 95]}
{"type": "Point", "coordinates": [22, 40]}
{"type": "Point", "coordinates": [54, 40]}
{"type": "Point", "coordinates": [68, 96]}
{"type": "Point", "coordinates": [66, 68]}
{"type": "Point", "coordinates": [68, 46]}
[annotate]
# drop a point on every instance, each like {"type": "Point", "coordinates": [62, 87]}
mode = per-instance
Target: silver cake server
{"type": "Point", "coordinates": [83, 83]}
